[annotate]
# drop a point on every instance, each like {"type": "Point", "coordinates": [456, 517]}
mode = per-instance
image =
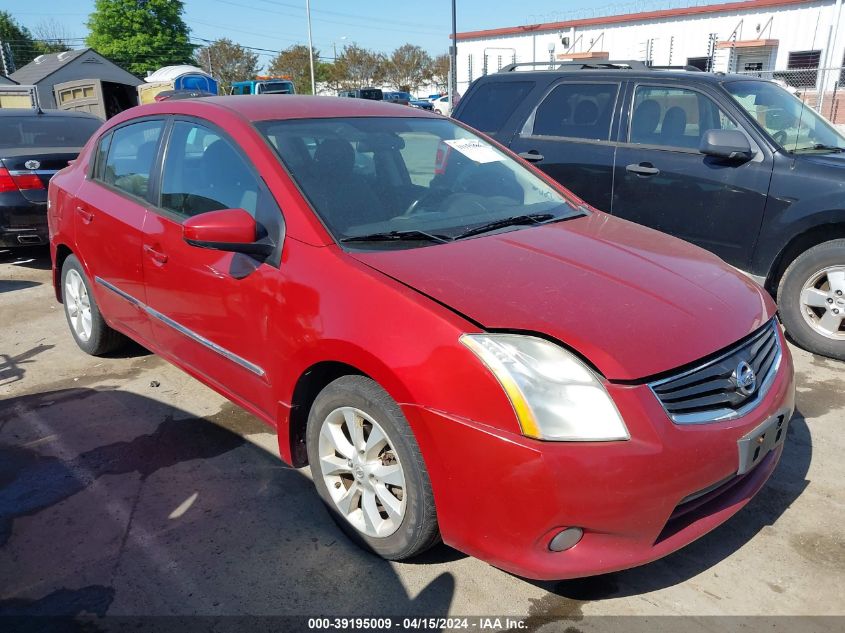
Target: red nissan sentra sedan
{"type": "Point", "coordinates": [459, 348]}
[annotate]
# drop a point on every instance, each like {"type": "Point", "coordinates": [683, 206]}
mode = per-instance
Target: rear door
{"type": "Point", "coordinates": [663, 181]}
{"type": "Point", "coordinates": [568, 135]}
{"type": "Point", "coordinates": [212, 310]}
{"type": "Point", "coordinates": [110, 210]}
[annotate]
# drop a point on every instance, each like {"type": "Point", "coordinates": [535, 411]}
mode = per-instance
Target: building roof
{"type": "Point", "coordinates": [6, 81]}
{"type": "Point", "coordinates": [45, 65]}
{"type": "Point", "coordinates": [742, 5]}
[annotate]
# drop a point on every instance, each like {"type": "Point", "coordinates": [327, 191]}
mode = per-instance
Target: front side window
{"type": "Point", "coordinates": [427, 179]}
{"type": "Point", "coordinates": [204, 172]}
{"type": "Point", "coordinates": [131, 155]}
{"type": "Point", "coordinates": [791, 123]}
{"type": "Point", "coordinates": [492, 103]}
{"type": "Point", "coordinates": [674, 117]}
{"type": "Point", "coordinates": [576, 111]}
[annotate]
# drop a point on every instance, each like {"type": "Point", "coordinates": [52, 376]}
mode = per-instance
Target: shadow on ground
{"type": "Point", "coordinates": [113, 503]}
{"type": "Point", "coordinates": [785, 486]}
{"type": "Point", "coordinates": [37, 257]}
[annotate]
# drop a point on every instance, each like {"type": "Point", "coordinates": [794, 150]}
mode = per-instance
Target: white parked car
{"type": "Point", "coordinates": [442, 105]}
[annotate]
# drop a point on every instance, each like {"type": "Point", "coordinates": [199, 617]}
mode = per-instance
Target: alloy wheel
{"type": "Point", "coordinates": [823, 302]}
{"type": "Point", "coordinates": [362, 472]}
{"type": "Point", "coordinates": [78, 305]}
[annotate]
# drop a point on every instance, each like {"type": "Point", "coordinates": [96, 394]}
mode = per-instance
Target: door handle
{"type": "Point", "coordinates": [157, 256]}
{"type": "Point", "coordinates": [642, 169]}
{"type": "Point", "coordinates": [86, 216]}
{"type": "Point", "coordinates": [533, 156]}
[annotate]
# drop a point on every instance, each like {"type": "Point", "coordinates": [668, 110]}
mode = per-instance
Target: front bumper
{"type": "Point", "coordinates": [502, 497]}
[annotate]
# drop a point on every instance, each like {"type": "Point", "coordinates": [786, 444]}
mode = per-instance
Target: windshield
{"type": "Point", "coordinates": [276, 88]}
{"type": "Point", "coordinates": [414, 176]}
{"type": "Point", "coordinates": [792, 124]}
{"type": "Point", "coordinates": [44, 131]}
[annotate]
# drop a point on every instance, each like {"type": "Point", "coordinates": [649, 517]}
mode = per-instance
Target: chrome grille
{"type": "Point", "coordinates": [715, 390]}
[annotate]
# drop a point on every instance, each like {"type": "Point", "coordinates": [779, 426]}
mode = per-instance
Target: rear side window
{"type": "Point", "coordinates": [576, 111]}
{"type": "Point", "coordinates": [204, 172]}
{"type": "Point", "coordinates": [491, 104]}
{"type": "Point", "coordinates": [131, 154]}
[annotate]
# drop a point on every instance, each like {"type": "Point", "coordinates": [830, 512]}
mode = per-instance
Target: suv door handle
{"type": "Point", "coordinates": [86, 216]}
{"type": "Point", "coordinates": [157, 256]}
{"type": "Point", "coordinates": [642, 169]}
{"type": "Point", "coordinates": [534, 156]}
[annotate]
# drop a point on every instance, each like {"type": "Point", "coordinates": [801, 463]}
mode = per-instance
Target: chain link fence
{"type": "Point", "coordinates": [805, 83]}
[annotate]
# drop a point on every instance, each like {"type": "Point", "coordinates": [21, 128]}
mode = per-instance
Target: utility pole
{"type": "Point", "coordinates": [453, 61]}
{"type": "Point", "coordinates": [310, 47]}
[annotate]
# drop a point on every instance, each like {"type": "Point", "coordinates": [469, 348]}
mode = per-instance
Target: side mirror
{"type": "Point", "coordinates": [731, 144]}
{"type": "Point", "coordinates": [232, 230]}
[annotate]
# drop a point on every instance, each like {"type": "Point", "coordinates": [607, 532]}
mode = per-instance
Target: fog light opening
{"type": "Point", "coordinates": [566, 539]}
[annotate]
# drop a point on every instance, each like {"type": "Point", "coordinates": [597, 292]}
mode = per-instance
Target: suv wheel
{"type": "Point", "coordinates": [89, 329]}
{"type": "Point", "coordinates": [368, 469]}
{"type": "Point", "coordinates": [811, 299]}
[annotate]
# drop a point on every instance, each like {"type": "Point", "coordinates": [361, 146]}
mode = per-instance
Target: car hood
{"type": "Point", "coordinates": [633, 301]}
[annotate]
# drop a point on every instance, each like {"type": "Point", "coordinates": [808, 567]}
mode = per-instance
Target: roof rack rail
{"type": "Point", "coordinates": [598, 64]}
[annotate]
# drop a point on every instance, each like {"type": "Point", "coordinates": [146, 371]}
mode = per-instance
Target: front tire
{"type": "Point", "coordinates": [811, 299]}
{"type": "Point", "coordinates": [90, 331]}
{"type": "Point", "coordinates": [368, 469]}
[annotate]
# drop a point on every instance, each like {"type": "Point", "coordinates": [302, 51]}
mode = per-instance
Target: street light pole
{"type": "Point", "coordinates": [453, 60]}
{"type": "Point", "coordinates": [310, 47]}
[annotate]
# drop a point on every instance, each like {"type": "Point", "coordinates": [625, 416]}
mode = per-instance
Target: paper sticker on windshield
{"type": "Point", "coordinates": [478, 151]}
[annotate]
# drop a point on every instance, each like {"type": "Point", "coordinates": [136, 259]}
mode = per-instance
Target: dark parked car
{"type": "Point", "coordinates": [734, 164]}
{"type": "Point", "coordinates": [402, 98]}
{"type": "Point", "coordinates": [373, 94]}
{"type": "Point", "coordinates": [34, 145]}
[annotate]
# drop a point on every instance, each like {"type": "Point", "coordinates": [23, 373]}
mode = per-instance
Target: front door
{"type": "Point", "coordinates": [109, 214]}
{"type": "Point", "coordinates": [568, 136]}
{"type": "Point", "coordinates": [212, 311]}
{"type": "Point", "coordinates": [663, 181]}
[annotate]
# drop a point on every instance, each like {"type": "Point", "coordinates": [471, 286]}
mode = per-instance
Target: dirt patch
{"type": "Point", "coordinates": [827, 550]}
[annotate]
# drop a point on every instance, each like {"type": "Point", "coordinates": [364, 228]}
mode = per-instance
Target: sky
{"type": "Point", "coordinates": [381, 25]}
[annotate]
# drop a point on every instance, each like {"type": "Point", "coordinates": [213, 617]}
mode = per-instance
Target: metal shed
{"type": "Point", "coordinates": [80, 80]}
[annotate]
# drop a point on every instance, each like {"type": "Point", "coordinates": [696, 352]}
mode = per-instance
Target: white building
{"type": "Point", "coordinates": [760, 36]}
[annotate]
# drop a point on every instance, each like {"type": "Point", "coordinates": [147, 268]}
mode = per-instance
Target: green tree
{"type": "Point", "coordinates": [140, 35]}
{"type": "Point", "coordinates": [407, 68]}
{"type": "Point", "coordinates": [440, 70]}
{"type": "Point", "coordinates": [357, 67]}
{"type": "Point", "coordinates": [227, 62]}
{"type": "Point", "coordinates": [293, 62]}
{"type": "Point", "coordinates": [19, 41]}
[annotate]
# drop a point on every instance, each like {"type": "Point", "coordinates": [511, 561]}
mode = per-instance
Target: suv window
{"type": "Point", "coordinates": [492, 103]}
{"type": "Point", "coordinates": [204, 172]}
{"type": "Point", "coordinates": [131, 154]}
{"type": "Point", "coordinates": [576, 111]}
{"type": "Point", "coordinates": [674, 117]}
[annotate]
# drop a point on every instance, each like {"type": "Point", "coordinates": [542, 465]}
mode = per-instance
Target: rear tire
{"type": "Point", "coordinates": [369, 471]}
{"type": "Point", "coordinates": [811, 299]}
{"type": "Point", "coordinates": [90, 331]}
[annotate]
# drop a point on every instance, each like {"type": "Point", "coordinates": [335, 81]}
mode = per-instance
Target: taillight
{"type": "Point", "coordinates": [6, 182]}
{"type": "Point", "coordinates": [24, 182]}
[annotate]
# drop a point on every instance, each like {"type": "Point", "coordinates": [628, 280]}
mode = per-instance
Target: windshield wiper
{"type": "Point", "coordinates": [819, 147]}
{"type": "Point", "coordinates": [516, 220]}
{"type": "Point", "coordinates": [410, 236]}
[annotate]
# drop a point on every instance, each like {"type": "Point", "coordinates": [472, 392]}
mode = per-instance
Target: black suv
{"type": "Point", "coordinates": [734, 164]}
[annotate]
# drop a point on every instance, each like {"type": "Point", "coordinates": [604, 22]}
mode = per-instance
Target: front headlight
{"type": "Point", "coordinates": [554, 394]}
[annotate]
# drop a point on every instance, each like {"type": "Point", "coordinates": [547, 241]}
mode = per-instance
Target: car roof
{"type": "Point", "coordinates": [47, 113]}
{"type": "Point", "coordinates": [275, 107]}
